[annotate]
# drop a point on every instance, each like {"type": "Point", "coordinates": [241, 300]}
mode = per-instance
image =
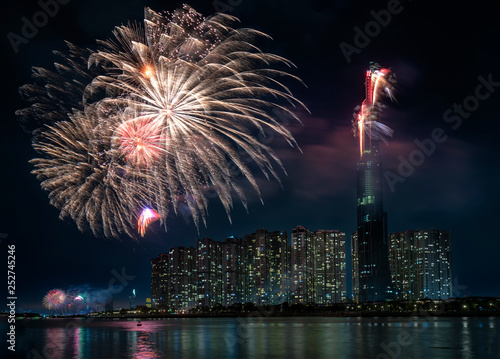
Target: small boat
{"type": "Point", "coordinates": [139, 323]}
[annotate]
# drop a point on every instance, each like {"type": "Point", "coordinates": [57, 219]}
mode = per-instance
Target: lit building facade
{"type": "Point", "coordinates": [355, 266]}
{"type": "Point", "coordinates": [372, 247]}
{"type": "Point", "coordinates": [302, 266]}
{"type": "Point", "coordinates": [421, 264]}
{"type": "Point", "coordinates": [173, 279]}
{"type": "Point", "coordinates": [182, 278]}
{"type": "Point", "coordinates": [210, 282]}
{"type": "Point", "coordinates": [233, 266]}
{"type": "Point", "coordinates": [403, 259]}
{"type": "Point", "coordinates": [277, 263]}
{"type": "Point", "coordinates": [261, 268]}
{"type": "Point", "coordinates": [159, 280]}
{"type": "Point", "coordinates": [266, 263]}
{"type": "Point", "coordinates": [330, 267]}
{"type": "Point", "coordinates": [318, 266]}
{"type": "Point", "coordinates": [435, 263]}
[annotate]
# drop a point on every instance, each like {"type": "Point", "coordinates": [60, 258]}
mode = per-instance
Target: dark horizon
{"type": "Point", "coordinates": [445, 60]}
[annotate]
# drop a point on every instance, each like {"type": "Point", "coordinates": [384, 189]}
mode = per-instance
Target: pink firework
{"type": "Point", "coordinates": [140, 141]}
{"type": "Point", "coordinates": [55, 299]}
{"type": "Point", "coordinates": [147, 216]}
{"type": "Point", "coordinates": [378, 82]}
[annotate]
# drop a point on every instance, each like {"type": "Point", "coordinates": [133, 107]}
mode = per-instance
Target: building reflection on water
{"type": "Point", "coordinates": [302, 337]}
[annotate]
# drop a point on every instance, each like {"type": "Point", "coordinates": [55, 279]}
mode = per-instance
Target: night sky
{"type": "Point", "coordinates": [438, 52]}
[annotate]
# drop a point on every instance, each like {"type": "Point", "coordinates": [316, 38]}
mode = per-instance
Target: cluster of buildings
{"type": "Point", "coordinates": [310, 267]}
{"type": "Point", "coordinates": [404, 266]}
{"type": "Point", "coordinates": [261, 268]}
{"type": "Point", "coordinates": [411, 265]}
{"type": "Point", "coordinates": [268, 268]}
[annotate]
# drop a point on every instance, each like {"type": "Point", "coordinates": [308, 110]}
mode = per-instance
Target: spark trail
{"type": "Point", "coordinates": [153, 118]}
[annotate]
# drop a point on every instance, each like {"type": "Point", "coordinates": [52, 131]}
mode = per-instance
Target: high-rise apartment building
{"type": "Point", "coordinates": [210, 282]}
{"type": "Point", "coordinates": [261, 268]}
{"type": "Point", "coordinates": [159, 280]}
{"type": "Point", "coordinates": [266, 263]}
{"type": "Point", "coordinates": [403, 258]}
{"type": "Point", "coordinates": [277, 263]}
{"type": "Point", "coordinates": [173, 279]}
{"type": "Point", "coordinates": [233, 266]}
{"type": "Point", "coordinates": [182, 273]}
{"type": "Point", "coordinates": [330, 267]}
{"type": "Point", "coordinates": [302, 266]}
{"type": "Point", "coordinates": [421, 264]}
{"type": "Point", "coordinates": [318, 266]}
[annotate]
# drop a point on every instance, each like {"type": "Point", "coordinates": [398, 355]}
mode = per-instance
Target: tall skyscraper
{"type": "Point", "coordinates": [372, 250]}
{"type": "Point", "coordinates": [421, 264]}
{"type": "Point", "coordinates": [132, 299]}
{"type": "Point", "coordinates": [155, 282]}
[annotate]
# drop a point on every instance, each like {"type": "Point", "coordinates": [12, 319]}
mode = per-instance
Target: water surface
{"type": "Point", "coordinates": [259, 337]}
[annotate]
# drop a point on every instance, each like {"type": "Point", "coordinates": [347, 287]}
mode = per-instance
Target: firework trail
{"type": "Point", "coordinates": [147, 216]}
{"type": "Point", "coordinates": [85, 180]}
{"type": "Point", "coordinates": [77, 302]}
{"type": "Point", "coordinates": [379, 82]}
{"type": "Point", "coordinates": [55, 299]}
{"type": "Point", "coordinates": [153, 118]}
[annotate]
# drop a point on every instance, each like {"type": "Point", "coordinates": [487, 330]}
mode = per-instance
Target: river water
{"type": "Point", "coordinates": [257, 337]}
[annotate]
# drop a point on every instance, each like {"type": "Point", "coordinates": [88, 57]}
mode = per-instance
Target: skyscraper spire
{"type": "Point", "coordinates": [370, 241]}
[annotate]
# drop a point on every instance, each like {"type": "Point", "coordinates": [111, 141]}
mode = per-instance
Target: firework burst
{"type": "Point", "coordinates": [161, 113]}
{"type": "Point", "coordinates": [379, 83]}
{"type": "Point", "coordinates": [140, 140]}
{"type": "Point", "coordinates": [86, 181]}
{"type": "Point", "coordinates": [55, 299]}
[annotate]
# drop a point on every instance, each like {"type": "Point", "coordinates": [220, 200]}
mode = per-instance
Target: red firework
{"type": "Point", "coordinates": [141, 141]}
{"type": "Point", "coordinates": [55, 299]}
{"type": "Point", "coordinates": [147, 216]}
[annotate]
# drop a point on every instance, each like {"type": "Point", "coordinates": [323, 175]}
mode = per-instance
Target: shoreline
{"type": "Point", "coordinates": [256, 314]}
